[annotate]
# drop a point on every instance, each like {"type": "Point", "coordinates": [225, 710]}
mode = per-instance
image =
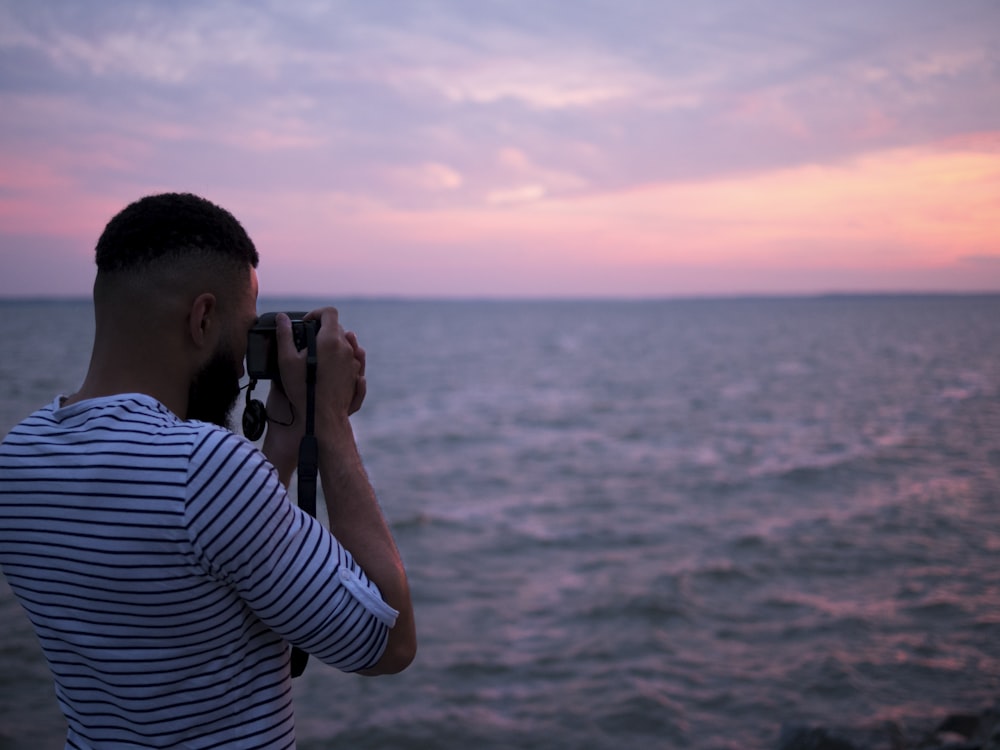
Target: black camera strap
{"type": "Point", "coordinates": [308, 464]}
{"type": "Point", "coordinates": [308, 448]}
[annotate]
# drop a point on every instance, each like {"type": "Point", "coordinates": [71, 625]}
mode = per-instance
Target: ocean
{"type": "Point", "coordinates": [643, 524]}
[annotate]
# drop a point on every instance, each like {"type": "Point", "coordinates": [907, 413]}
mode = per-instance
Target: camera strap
{"type": "Point", "coordinates": [308, 463]}
{"type": "Point", "coordinates": [308, 448]}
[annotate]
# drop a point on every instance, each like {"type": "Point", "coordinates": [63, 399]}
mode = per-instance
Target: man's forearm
{"type": "Point", "coordinates": [357, 522]}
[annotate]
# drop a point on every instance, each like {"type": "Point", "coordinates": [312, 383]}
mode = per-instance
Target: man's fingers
{"type": "Point", "coordinates": [328, 317]}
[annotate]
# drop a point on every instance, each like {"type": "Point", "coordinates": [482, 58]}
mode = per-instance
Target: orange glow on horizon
{"type": "Point", "coordinates": [915, 209]}
{"type": "Point", "coordinates": [906, 207]}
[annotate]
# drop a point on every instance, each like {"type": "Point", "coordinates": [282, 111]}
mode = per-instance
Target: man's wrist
{"type": "Point", "coordinates": [334, 425]}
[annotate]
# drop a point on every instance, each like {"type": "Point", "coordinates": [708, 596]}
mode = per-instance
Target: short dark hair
{"type": "Point", "coordinates": [171, 226]}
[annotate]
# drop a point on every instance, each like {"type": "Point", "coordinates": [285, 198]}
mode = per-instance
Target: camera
{"type": "Point", "coordinates": [262, 343]}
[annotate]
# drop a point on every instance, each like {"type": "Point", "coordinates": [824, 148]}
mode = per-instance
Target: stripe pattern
{"type": "Point", "coordinates": [165, 571]}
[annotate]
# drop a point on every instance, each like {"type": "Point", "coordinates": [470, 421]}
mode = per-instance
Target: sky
{"type": "Point", "coordinates": [507, 148]}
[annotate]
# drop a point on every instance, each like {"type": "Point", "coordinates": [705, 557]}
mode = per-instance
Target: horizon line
{"type": "Point", "coordinates": [398, 297]}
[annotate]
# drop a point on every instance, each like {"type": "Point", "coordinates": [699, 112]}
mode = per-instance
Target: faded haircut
{"type": "Point", "coordinates": [173, 227]}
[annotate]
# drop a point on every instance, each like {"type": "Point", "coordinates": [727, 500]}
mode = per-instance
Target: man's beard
{"type": "Point", "coordinates": [215, 388]}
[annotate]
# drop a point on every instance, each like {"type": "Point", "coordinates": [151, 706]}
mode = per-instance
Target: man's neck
{"type": "Point", "coordinates": [110, 381]}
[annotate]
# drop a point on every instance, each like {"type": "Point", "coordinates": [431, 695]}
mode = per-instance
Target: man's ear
{"type": "Point", "coordinates": [203, 320]}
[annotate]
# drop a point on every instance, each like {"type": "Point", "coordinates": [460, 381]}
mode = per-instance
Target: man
{"type": "Point", "coordinates": [156, 553]}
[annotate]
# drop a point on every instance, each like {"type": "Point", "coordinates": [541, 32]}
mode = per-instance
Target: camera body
{"type": "Point", "coordinates": [262, 344]}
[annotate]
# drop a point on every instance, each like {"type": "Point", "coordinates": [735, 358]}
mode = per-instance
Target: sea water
{"type": "Point", "coordinates": [650, 524]}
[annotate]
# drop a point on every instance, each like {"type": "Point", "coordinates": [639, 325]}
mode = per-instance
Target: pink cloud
{"type": "Point", "coordinates": [897, 214]}
{"type": "Point", "coordinates": [888, 218]}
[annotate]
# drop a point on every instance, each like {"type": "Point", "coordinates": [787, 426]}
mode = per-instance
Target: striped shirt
{"type": "Point", "coordinates": [165, 571]}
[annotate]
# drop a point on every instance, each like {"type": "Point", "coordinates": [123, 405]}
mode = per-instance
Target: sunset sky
{"type": "Point", "coordinates": [513, 148]}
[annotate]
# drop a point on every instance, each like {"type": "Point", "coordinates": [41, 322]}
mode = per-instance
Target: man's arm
{"type": "Point", "coordinates": [357, 522]}
{"type": "Point", "coordinates": [352, 508]}
{"type": "Point", "coordinates": [281, 441]}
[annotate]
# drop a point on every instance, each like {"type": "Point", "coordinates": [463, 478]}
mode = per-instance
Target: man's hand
{"type": "Point", "coordinates": [340, 386]}
{"type": "Point", "coordinates": [340, 369]}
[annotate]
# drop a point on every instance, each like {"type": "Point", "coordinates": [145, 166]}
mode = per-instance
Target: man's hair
{"type": "Point", "coordinates": [172, 227]}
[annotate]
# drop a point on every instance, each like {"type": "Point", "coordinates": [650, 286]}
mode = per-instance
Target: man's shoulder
{"type": "Point", "coordinates": [125, 417]}
{"type": "Point", "coordinates": [127, 408]}
{"type": "Point", "coordinates": [216, 444]}
{"type": "Point", "coordinates": [222, 466]}
{"type": "Point", "coordinates": [129, 419]}
{"type": "Point", "coordinates": [217, 434]}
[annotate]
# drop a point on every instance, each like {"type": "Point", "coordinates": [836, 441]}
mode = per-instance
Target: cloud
{"type": "Point", "coordinates": [741, 131]}
{"type": "Point", "coordinates": [522, 194]}
{"type": "Point", "coordinates": [898, 218]}
{"type": "Point", "coordinates": [535, 78]}
{"type": "Point", "coordinates": [430, 176]}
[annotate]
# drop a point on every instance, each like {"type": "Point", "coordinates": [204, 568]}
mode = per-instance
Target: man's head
{"type": "Point", "coordinates": [173, 226]}
{"type": "Point", "coordinates": [176, 271]}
